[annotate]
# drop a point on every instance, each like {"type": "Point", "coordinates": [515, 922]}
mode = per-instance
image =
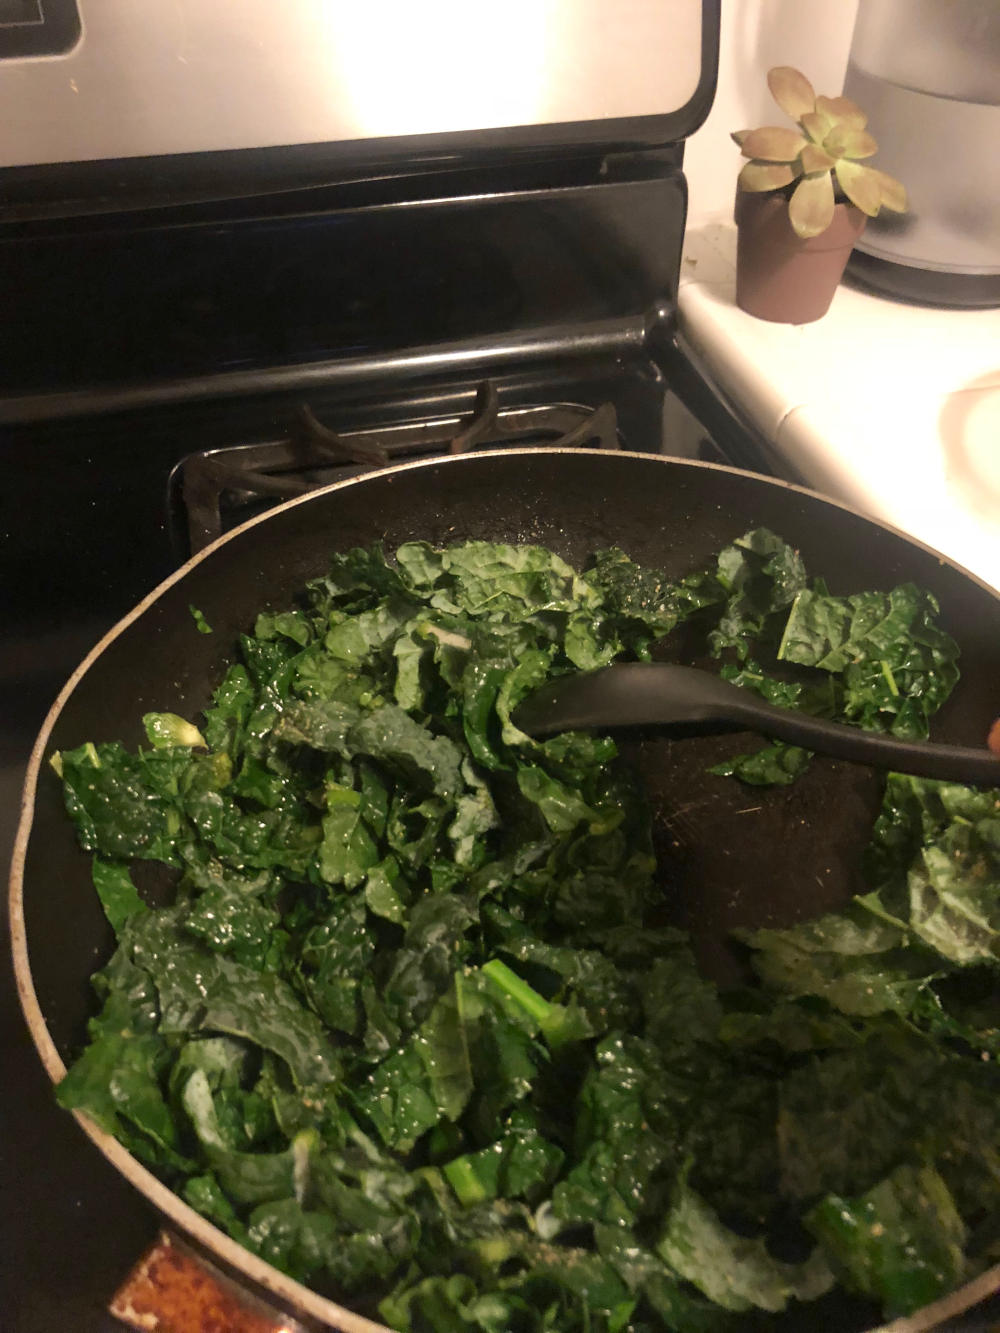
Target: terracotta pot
{"type": "Point", "coordinates": [780, 276]}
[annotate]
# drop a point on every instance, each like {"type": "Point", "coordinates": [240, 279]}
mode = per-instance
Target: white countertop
{"type": "Point", "coordinates": [891, 408]}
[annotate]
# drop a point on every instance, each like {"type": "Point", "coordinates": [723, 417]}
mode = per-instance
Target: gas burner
{"type": "Point", "coordinates": [214, 490]}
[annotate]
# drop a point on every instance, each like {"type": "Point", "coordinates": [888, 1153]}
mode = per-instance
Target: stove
{"type": "Point", "coordinates": [106, 488]}
{"type": "Point", "coordinates": [215, 489]}
{"type": "Point", "coordinates": [190, 336]}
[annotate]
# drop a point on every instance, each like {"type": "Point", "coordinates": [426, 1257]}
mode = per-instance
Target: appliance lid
{"type": "Point", "coordinates": [380, 86]}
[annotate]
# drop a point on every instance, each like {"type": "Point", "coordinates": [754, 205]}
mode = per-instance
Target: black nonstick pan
{"type": "Point", "coordinates": [729, 857]}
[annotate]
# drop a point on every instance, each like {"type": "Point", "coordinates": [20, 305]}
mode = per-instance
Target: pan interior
{"type": "Point", "coordinates": [728, 855]}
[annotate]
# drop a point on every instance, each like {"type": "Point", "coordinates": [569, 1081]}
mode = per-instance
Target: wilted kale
{"type": "Point", "coordinates": [411, 1028]}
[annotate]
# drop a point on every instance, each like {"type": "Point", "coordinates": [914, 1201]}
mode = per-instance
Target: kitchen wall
{"type": "Point", "coordinates": [812, 35]}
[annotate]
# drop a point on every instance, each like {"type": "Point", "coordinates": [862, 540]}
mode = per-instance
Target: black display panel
{"type": "Point", "coordinates": [21, 11]}
{"type": "Point", "coordinates": [37, 27]}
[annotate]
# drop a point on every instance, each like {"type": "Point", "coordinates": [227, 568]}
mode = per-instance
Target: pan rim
{"type": "Point", "coordinates": [170, 1205]}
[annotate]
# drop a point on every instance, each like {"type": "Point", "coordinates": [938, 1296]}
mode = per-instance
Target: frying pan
{"type": "Point", "coordinates": [716, 839]}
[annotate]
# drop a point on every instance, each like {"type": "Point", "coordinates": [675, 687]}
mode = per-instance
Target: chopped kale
{"type": "Point", "coordinates": [411, 1027]}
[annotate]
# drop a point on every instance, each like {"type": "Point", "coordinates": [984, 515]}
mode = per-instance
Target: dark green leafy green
{"type": "Point", "coordinates": [118, 1082]}
{"type": "Point", "coordinates": [761, 577]}
{"type": "Point", "coordinates": [896, 665]}
{"type": "Point", "coordinates": [771, 766]}
{"type": "Point", "coordinates": [167, 729]}
{"type": "Point", "coordinates": [874, 659]}
{"type": "Point", "coordinates": [858, 963]}
{"type": "Point", "coordinates": [733, 1271]}
{"type": "Point", "coordinates": [935, 864]}
{"type": "Point", "coordinates": [901, 1242]}
{"type": "Point", "coordinates": [119, 896]}
{"type": "Point", "coordinates": [411, 1028]}
{"type": "Point", "coordinates": [126, 806]}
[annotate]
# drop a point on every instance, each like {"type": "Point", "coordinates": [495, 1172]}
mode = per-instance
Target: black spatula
{"type": "Point", "coordinates": [631, 694]}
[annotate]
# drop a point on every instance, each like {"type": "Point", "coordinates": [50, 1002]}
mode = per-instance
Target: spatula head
{"type": "Point", "coordinates": [628, 694]}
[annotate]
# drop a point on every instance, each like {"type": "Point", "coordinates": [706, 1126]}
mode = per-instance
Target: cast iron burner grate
{"type": "Point", "coordinates": [212, 491]}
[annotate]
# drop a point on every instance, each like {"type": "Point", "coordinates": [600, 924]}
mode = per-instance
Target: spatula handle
{"type": "Point", "coordinates": [926, 759]}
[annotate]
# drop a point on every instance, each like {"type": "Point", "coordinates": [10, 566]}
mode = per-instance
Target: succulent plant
{"type": "Point", "coordinates": [823, 156]}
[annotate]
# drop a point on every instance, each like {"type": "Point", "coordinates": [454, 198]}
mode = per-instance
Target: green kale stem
{"type": "Point", "coordinates": [519, 991]}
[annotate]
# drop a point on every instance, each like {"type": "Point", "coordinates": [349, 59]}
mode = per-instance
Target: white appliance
{"type": "Point", "coordinates": [927, 72]}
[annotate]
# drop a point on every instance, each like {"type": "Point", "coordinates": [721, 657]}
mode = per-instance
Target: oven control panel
{"type": "Point", "coordinates": [143, 79]}
{"type": "Point", "coordinates": [38, 28]}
